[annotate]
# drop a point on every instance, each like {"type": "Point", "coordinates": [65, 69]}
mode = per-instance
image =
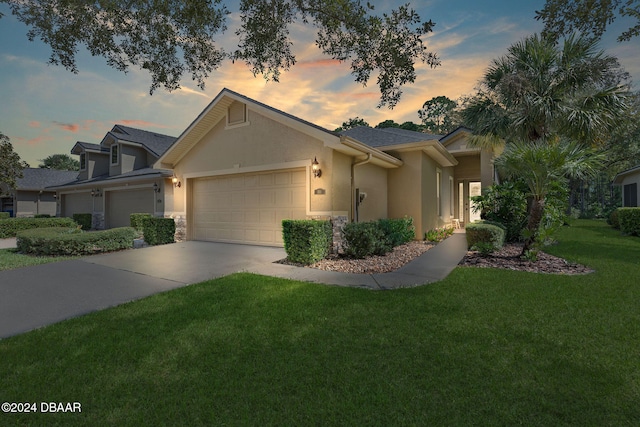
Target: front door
{"type": "Point", "coordinates": [466, 190]}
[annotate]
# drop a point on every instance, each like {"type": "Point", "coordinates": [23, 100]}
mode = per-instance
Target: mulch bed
{"type": "Point", "coordinates": [509, 258]}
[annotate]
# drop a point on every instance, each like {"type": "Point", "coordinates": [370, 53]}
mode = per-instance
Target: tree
{"type": "Point", "coordinates": [353, 122]}
{"type": "Point", "coordinates": [169, 38]}
{"type": "Point", "coordinates": [10, 164]}
{"type": "Point", "coordinates": [542, 89]}
{"type": "Point", "coordinates": [563, 17]}
{"type": "Point", "coordinates": [541, 165]}
{"type": "Point", "coordinates": [438, 115]}
{"type": "Point", "coordinates": [62, 162]}
{"type": "Point", "coordinates": [387, 124]}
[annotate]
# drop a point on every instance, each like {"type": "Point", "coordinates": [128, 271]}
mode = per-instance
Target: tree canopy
{"type": "Point", "coordinates": [353, 122]}
{"type": "Point", "coordinates": [10, 164]}
{"type": "Point", "coordinates": [564, 17]}
{"type": "Point", "coordinates": [170, 38]}
{"type": "Point", "coordinates": [438, 115]}
{"type": "Point", "coordinates": [60, 162]}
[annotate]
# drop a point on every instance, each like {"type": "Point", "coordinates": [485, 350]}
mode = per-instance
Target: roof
{"type": "Point", "coordinates": [37, 179]}
{"type": "Point", "coordinates": [217, 110]}
{"type": "Point", "coordinates": [87, 146]}
{"type": "Point", "coordinates": [155, 142]}
{"type": "Point", "coordinates": [387, 137]}
{"type": "Point", "coordinates": [143, 173]}
{"type": "Point", "coordinates": [620, 177]}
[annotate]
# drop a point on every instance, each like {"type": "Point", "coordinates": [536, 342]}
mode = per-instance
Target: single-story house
{"type": "Point", "coordinates": [630, 182]}
{"type": "Point", "coordinates": [242, 166]}
{"type": "Point", "coordinates": [32, 196]}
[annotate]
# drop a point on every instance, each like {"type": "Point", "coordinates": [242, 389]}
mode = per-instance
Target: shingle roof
{"type": "Point", "coordinates": [155, 142]}
{"type": "Point", "coordinates": [385, 137]}
{"type": "Point", "coordinates": [148, 172]}
{"type": "Point", "coordinates": [39, 178]}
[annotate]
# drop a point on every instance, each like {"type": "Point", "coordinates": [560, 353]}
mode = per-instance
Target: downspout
{"type": "Point", "coordinates": [354, 202]}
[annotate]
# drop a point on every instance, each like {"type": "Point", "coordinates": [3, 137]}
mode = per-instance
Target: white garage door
{"type": "Point", "coordinates": [76, 203]}
{"type": "Point", "coordinates": [121, 204]}
{"type": "Point", "coordinates": [247, 208]}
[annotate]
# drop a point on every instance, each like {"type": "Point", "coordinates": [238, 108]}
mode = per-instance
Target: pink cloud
{"type": "Point", "coordinates": [34, 124]}
{"type": "Point", "coordinates": [71, 127]}
{"type": "Point", "coordinates": [319, 63]}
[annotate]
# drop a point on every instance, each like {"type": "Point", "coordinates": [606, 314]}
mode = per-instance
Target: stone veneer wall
{"type": "Point", "coordinates": [97, 221]}
{"type": "Point", "coordinates": [338, 223]}
{"type": "Point", "coordinates": [180, 219]}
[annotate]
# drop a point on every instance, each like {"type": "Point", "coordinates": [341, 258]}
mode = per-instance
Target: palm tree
{"type": "Point", "coordinates": [541, 89]}
{"type": "Point", "coordinates": [541, 165]}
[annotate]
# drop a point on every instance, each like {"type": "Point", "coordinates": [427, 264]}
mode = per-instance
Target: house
{"type": "Point", "coordinates": [117, 178]}
{"type": "Point", "coordinates": [630, 182]}
{"type": "Point", "coordinates": [31, 196]}
{"type": "Point", "coordinates": [241, 167]}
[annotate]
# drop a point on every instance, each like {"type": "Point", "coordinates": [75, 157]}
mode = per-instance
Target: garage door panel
{"type": "Point", "coordinates": [77, 203]}
{"type": "Point", "coordinates": [121, 204]}
{"type": "Point", "coordinates": [247, 208]}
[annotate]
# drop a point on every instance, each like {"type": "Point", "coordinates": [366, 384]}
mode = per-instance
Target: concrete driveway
{"type": "Point", "coordinates": [33, 297]}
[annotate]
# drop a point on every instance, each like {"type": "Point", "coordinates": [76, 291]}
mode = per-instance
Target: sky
{"type": "Point", "coordinates": [45, 109]}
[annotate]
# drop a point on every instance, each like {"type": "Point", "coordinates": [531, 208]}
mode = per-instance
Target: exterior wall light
{"type": "Point", "coordinates": [315, 166]}
{"type": "Point", "coordinates": [156, 187]}
{"type": "Point", "coordinates": [96, 192]}
{"type": "Point", "coordinates": [175, 181]}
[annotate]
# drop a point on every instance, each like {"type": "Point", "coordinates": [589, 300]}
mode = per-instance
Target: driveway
{"type": "Point", "coordinates": [33, 297]}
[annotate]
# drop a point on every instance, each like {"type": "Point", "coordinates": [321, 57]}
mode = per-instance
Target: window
{"type": "Point", "coordinates": [630, 195]}
{"type": "Point", "coordinates": [114, 154]}
{"type": "Point", "coordinates": [83, 161]}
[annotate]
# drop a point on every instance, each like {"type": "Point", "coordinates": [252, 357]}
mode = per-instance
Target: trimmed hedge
{"type": "Point", "coordinates": [483, 234]}
{"type": "Point", "coordinates": [84, 220]}
{"type": "Point", "coordinates": [306, 241]}
{"type": "Point", "coordinates": [5, 215]}
{"type": "Point", "coordinates": [363, 239]}
{"type": "Point", "coordinates": [136, 220]}
{"type": "Point", "coordinates": [613, 219]}
{"type": "Point", "coordinates": [629, 219]}
{"type": "Point", "coordinates": [11, 226]}
{"type": "Point", "coordinates": [397, 231]}
{"type": "Point", "coordinates": [58, 241]}
{"type": "Point", "coordinates": [158, 231]}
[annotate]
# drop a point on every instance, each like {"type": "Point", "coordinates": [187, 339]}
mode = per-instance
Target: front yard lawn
{"type": "Point", "coordinates": [10, 259]}
{"type": "Point", "coordinates": [483, 347]}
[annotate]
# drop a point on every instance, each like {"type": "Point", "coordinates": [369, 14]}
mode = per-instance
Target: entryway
{"type": "Point", "coordinates": [465, 208]}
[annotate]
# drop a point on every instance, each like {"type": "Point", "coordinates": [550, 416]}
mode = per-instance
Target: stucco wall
{"type": "Point", "coordinates": [405, 190]}
{"type": "Point", "coordinates": [372, 180]}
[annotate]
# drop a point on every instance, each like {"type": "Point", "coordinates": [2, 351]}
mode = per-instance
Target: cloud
{"type": "Point", "coordinates": [71, 127]}
{"type": "Point", "coordinates": [34, 124]}
{"type": "Point", "coordinates": [142, 123]}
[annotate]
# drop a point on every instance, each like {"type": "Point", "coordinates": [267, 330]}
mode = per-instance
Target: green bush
{"type": "Point", "coordinates": [438, 234]}
{"type": "Point", "coordinates": [614, 220]}
{"type": "Point", "coordinates": [5, 215]}
{"type": "Point", "coordinates": [629, 219]}
{"type": "Point", "coordinates": [306, 241]}
{"type": "Point", "coordinates": [505, 204]}
{"type": "Point", "coordinates": [42, 216]}
{"type": "Point", "coordinates": [397, 231]}
{"type": "Point", "coordinates": [136, 220]}
{"type": "Point", "coordinates": [363, 239]}
{"type": "Point", "coordinates": [83, 219]}
{"type": "Point", "coordinates": [59, 241]}
{"type": "Point", "coordinates": [11, 226]}
{"type": "Point", "coordinates": [482, 234]}
{"type": "Point", "coordinates": [158, 231]}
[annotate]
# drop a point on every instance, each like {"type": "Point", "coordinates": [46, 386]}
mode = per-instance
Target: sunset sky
{"type": "Point", "coordinates": [45, 109]}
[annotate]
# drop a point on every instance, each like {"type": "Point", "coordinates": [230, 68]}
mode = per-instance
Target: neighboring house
{"type": "Point", "coordinates": [242, 167]}
{"type": "Point", "coordinates": [117, 179]}
{"type": "Point", "coordinates": [31, 196]}
{"type": "Point", "coordinates": [630, 182]}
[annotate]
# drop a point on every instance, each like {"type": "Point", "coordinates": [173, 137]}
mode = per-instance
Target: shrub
{"type": "Point", "coordinates": [629, 219]}
{"type": "Point", "coordinates": [11, 226]}
{"type": "Point", "coordinates": [83, 219]}
{"type": "Point", "coordinates": [5, 215]}
{"type": "Point", "coordinates": [363, 239]}
{"type": "Point", "coordinates": [158, 231]}
{"type": "Point", "coordinates": [614, 220]}
{"type": "Point", "coordinates": [306, 241]}
{"type": "Point", "coordinates": [397, 231]}
{"type": "Point", "coordinates": [506, 204]}
{"type": "Point", "coordinates": [42, 216]}
{"type": "Point", "coordinates": [73, 241]}
{"type": "Point", "coordinates": [481, 233]}
{"type": "Point", "coordinates": [438, 234]}
{"type": "Point", "coordinates": [136, 220]}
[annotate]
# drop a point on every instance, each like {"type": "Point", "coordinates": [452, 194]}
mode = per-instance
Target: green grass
{"type": "Point", "coordinates": [10, 259]}
{"type": "Point", "coordinates": [483, 347]}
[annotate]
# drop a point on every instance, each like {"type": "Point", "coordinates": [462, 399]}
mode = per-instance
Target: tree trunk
{"type": "Point", "coordinates": [536, 211]}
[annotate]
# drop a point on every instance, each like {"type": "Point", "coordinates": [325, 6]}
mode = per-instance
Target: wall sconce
{"type": "Point", "coordinates": [315, 166]}
{"type": "Point", "coordinates": [175, 181]}
{"type": "Point", "coordinates": [156, 187]}
{"type": "Point", "coordinates": [96, 192]}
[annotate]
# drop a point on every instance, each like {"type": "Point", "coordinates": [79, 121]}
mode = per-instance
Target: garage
{"type": "Point", "coordinates": [247, 208]}
{"type": "Point", "coordinates": [75, 203]}
{"type": "Point", "coordinates": [121, 204]}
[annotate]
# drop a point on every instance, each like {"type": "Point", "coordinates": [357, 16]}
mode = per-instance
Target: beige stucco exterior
{"type": "Point", "coordinates": [630, 182]}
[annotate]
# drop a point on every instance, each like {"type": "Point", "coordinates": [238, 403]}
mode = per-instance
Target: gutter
{"type": "Point", "coordinates": [354, 202]}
